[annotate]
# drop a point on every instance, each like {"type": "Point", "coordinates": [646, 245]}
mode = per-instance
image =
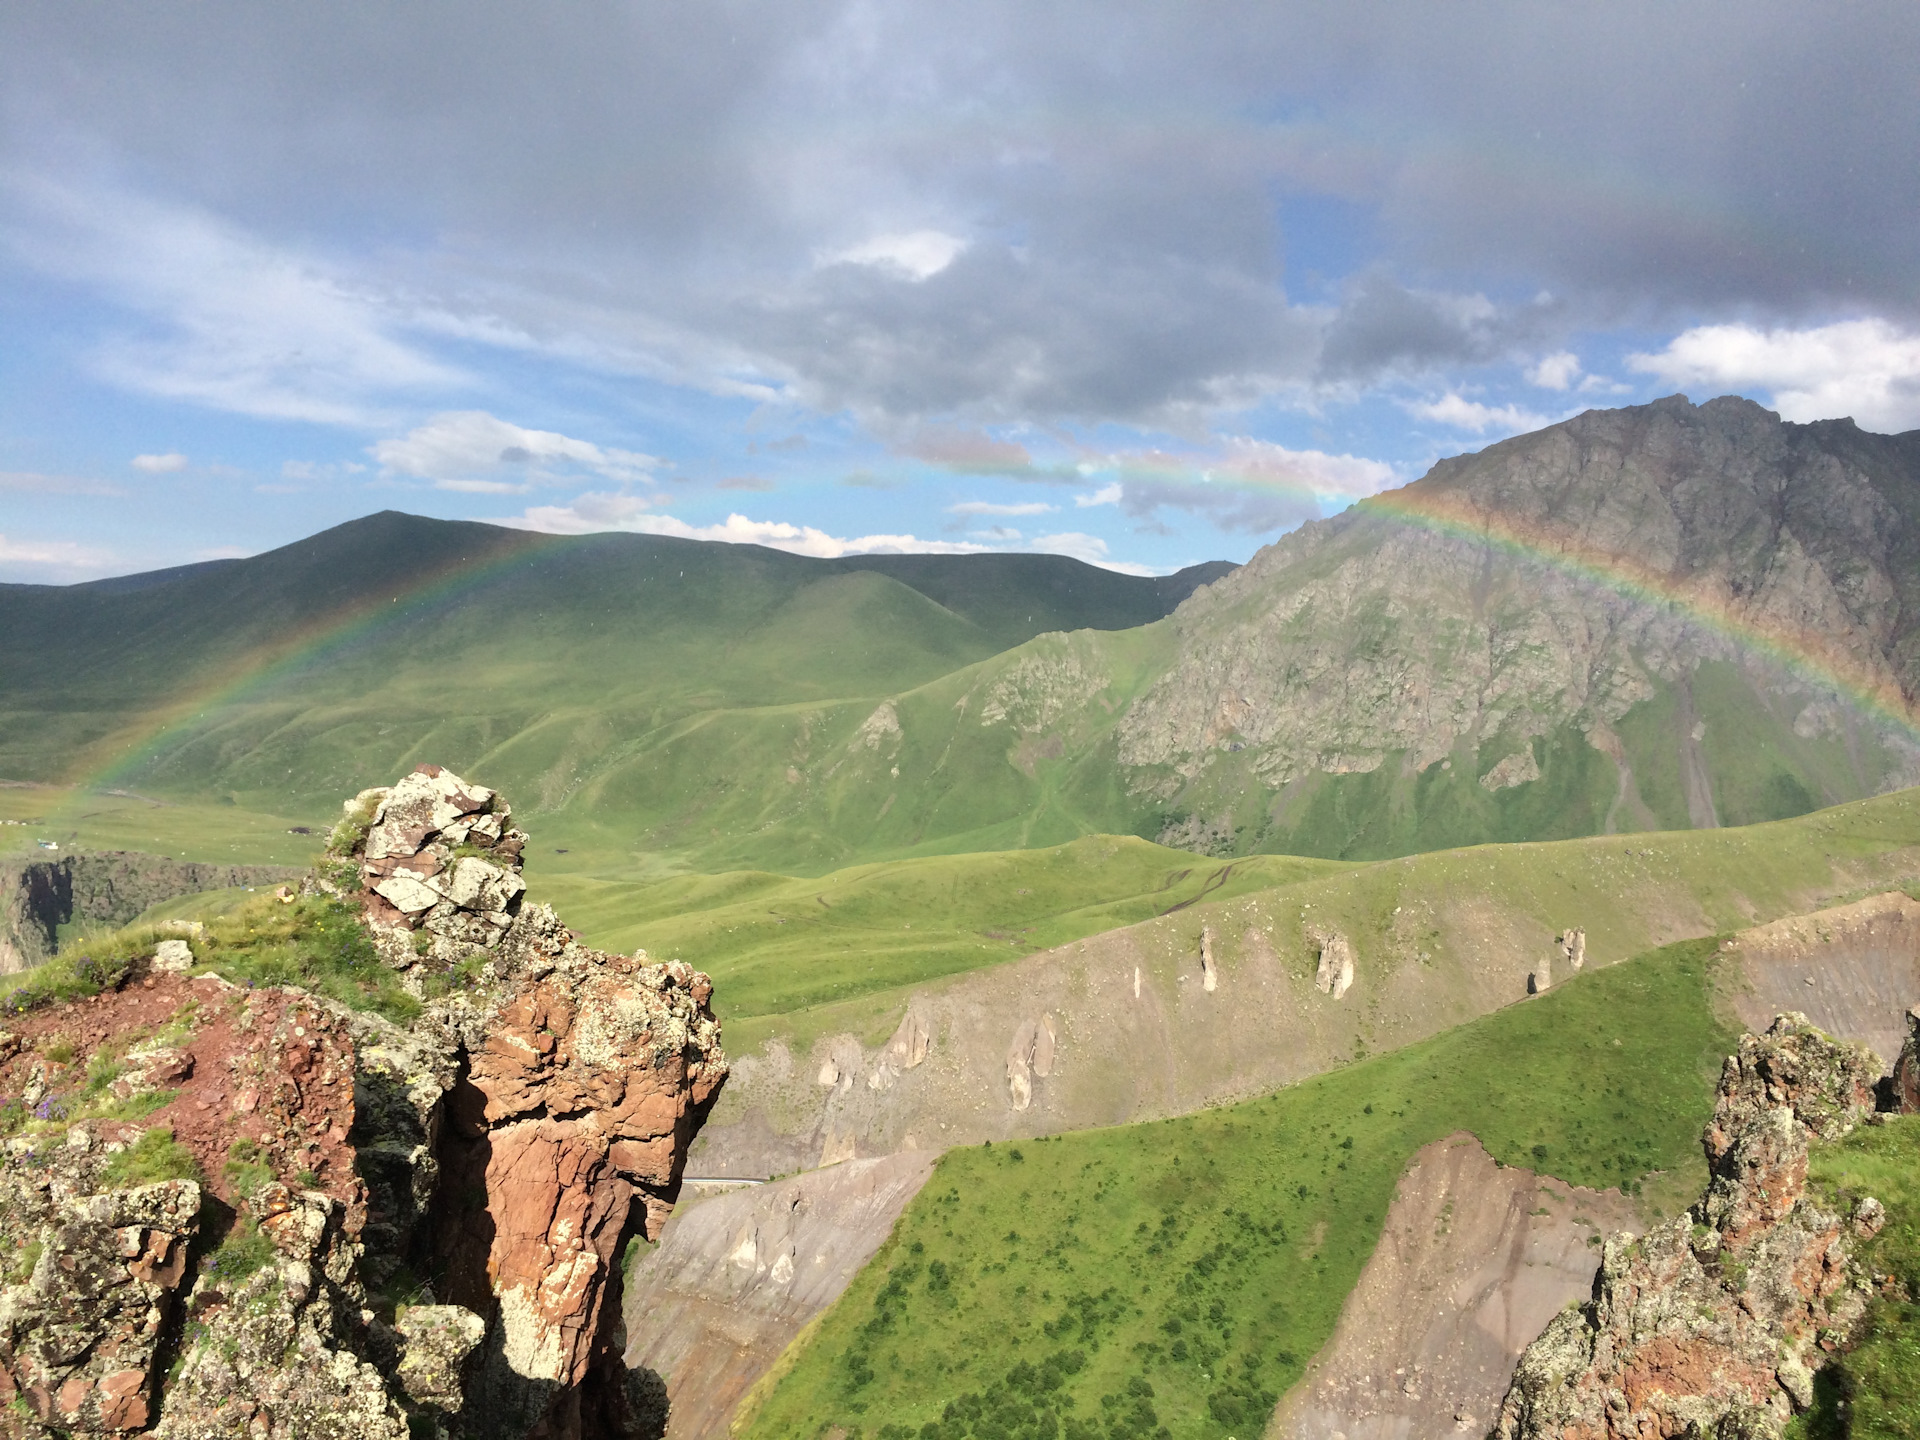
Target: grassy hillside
{"type": "Point", "coordinates": [1180, 1274]}
{"type": "Point", "coordinates": [777, 944]}
{"type": "Point", "coordinates": [1452, 916]}
{"type": "Point", "coordinates": [282, 682]}
{"type": "Point", "coordinates": [663, 705]}
{"type": "Point", "coordinates": [800, 956]}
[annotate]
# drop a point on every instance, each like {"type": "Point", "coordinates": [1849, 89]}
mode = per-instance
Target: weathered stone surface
{"type": "Point", "coordinates": [1473, 1260]}
{"type": "Point", "coordinates": [1713, 1321]}
{"type": "Point", "coordinates": [1853, 969]}
{"type": "Point", "coordinates": [574, 1119]}
{"type": "Point", "coordinates": [1334, 975]}
{"type": "Point", "coordinates": [739, 1274]}
{"type": "Point", "coordinates": [286, 1350]}
{"type": "Point", "coordinates": [1906, 1070]}
{"type": "Point", "coordinates": [506, 1144]}
{"type": "Point", "coordinates": [440, 865]}
{"type": "Point", "coordinates": [95, 1286]}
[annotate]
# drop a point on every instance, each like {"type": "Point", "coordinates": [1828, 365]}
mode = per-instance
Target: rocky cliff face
{"type": "Point", "coordinates": [1713, 1324]}
{"type": "Point", "coordinates": [1534, 594]}
{"type": "Point", "coordinates": [232, 1211]}
{"type": "Point", "coordinates": [105, 890]}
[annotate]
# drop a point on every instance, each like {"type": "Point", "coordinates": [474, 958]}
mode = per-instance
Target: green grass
{"type": "Point", "coordinates": [1207, 1257]}
{"type": "Point", "coordinates": [776, 944]}
{"type": "Point", "coordinates": [315, 943]}
{"type": "Point", "coordinates": [1872, 1392]}
{"type": "Point", "coordinates": [154, 1157]}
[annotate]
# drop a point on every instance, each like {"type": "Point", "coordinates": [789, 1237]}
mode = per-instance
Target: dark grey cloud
{"type": "Point", "coordinates": [677, 189]}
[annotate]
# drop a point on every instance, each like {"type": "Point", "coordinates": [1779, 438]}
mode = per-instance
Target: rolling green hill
{"type": "Point", "coordinates": [1661, 617]}
{"type": "Point", "coordinates": [281, 682]}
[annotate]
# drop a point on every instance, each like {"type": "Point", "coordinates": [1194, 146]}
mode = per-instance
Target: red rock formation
{"type": "Point", "coordinates": [506, 1144]}
{"type": "Point", "coordinates": [594, 1075]}
{"type": "Point", "coordinates": [1906, 1070]}
{"type": "Point", "coordinates": [1710, 1324]}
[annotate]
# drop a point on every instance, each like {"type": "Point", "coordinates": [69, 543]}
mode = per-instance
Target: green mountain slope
{"type": "Point", "coordinates": [283, 681]}
{"type": "Point", "coordinates": [1658, 617]}
{"type": "Point", "coordinates": [1181, 1274]}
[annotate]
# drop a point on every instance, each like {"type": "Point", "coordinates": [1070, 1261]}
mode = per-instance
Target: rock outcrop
{"type": "Point", "coordinates": [1334, 974]}
{"type": "Point", "coordinates": [1713, 1324]}
{"type": "Point", "coordinates": [1906, 1070]}
{"type": "Point", "coordinates": [367, 1230]}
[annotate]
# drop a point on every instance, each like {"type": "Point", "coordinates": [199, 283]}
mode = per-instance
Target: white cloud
{"type": "Point", "coordinates": [63, 558]}
{"type": "Point", "coordinates": [592, 514]}
{"type": "Point", "coordinates": [470, 450]}
{"type": "Point", "coordinates": [1464, 414]}
{"type": "Point", "coordinates": [311, 471]}
{"type": "Point", "coordinates": [1333, 477]}
{"type": "Point", "coordinates": [989, 507]}
{"type": "Point", "coordinates": [1868, 369]}
{"type": "Point", "coordinates": [229, 321]}
{"type": "Point", "coordinates": [1105, 495]}
{"type": "Point", "coordinates": [1000, 533]}
{"type": "Point", "coordinates": [917, 254]}
{"type": "Point", "coordinates": [1090, 548]}
{"type": "Point", "coordinates": [1555, 372]}
{"type": "Point", "coordinates": [159, 464]}
{"type": "Point", "coordinates": [595, 513]}
{"type": "Point", "coordinates": [34, 482]}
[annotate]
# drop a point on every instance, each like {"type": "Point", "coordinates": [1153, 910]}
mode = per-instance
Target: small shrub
{"type": "Point", "coordinates": [245, 1250]}
{"type": "Point", "coordinates": [245, 1171]}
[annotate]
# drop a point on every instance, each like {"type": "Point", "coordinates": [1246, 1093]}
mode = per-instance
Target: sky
{"type": "Point", "coordinates": [1144, 284]}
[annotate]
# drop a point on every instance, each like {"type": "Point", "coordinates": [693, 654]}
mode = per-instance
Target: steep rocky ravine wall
{"type": "Point", "coordinates": [1715, 1323]}
{"type": "Point", "coordinates": [738, 1275]}
{"type": "Point", "coordinates": [1124, 1026]}
{"type": "Point", "coordinates": [1473, 1260]}
{"type": "Point", "coordinates": [1852, 970]}
{"type": "Point", "coordinates": [106, 889]}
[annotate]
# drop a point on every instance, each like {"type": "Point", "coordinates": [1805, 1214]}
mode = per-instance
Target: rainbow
{"type": "Point", "coordinates": [112, 759]}
{"type": "Point", "coordinates": [1817, 656]}
{"type": "Point", "coordinates": [1820, 658]}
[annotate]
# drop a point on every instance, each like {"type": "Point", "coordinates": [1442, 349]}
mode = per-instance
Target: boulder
{"type": "Point", "coordinates": [1334, 976]}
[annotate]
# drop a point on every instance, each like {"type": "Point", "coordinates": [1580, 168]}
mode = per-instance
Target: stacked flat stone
{"type": "Point", "coordinates": [441, 857]}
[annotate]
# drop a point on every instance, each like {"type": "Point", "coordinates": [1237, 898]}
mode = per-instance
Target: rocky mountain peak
{"type": "Point", "coordinates": [1504, 615]}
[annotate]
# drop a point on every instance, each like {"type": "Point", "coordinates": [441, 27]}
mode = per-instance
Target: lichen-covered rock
{"type": "Point", "coordinates": [439, 1343]}
{"type": "Point", "coordinates": [285, 1349]}
{"type": "Point", "coordinates": [573, 1122]}
{"type": "Point", "coordinates": [439, 864]}
{"type": "Point", "coordinates": [97, 1271]}
{"type": "Point", "coordinates": [404, 1230]}
{"type": "Point", "coordinates": [1712, 1325]}
{"type": "Point", "coordinates": [1906, 1070]}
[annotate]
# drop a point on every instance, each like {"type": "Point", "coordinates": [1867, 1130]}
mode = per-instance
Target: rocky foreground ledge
{"type": "Point", "coordinates": [1715, 1324]}
{"type": "Point", "coordinates": [235, 1209]}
